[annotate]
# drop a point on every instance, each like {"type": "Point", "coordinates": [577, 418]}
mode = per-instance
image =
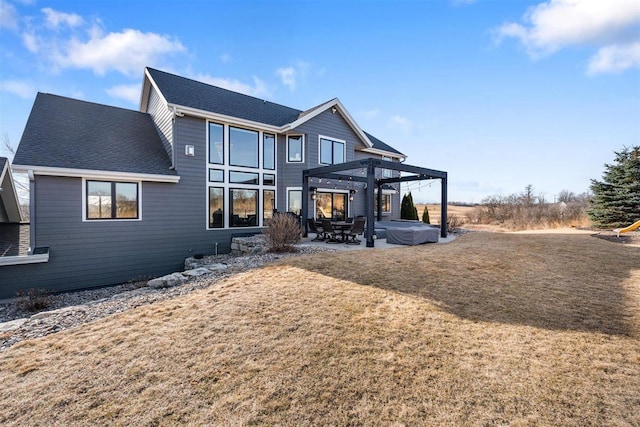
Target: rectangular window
{"type": "Point", "coordinates": [331, 205]}
{"type": "Point", "coordinates": [216, 175]}
{"type": "Point", "coordinates": [244, 178]}
{"type": "Point", "coordinates": [216, 144]}
{"type": "Point", "coordinates": [331, 152]}
{"type": "Point", "coordinates": [216, 207]}
{"type": "Point", "coordinates": [268, 151]}
{"type": "Point", "coordinates": [386, 203]}
{"type": "Point", "coordinates": [387, 173]}
{"type": "Point", "coordinates": [243, 147]}
{"type": "Point", "coordinates": [112, 200]}
{"type": "Point", "coordinates": [243, 209]}
{"type": "Point", "coordinates": [294, 203]}
{"type": "Point", "coordinates": [268, 179]}
{"type": "Point", "coordinates": [269, 204]}
{"type": "Point", "coordinates": [295, 149]}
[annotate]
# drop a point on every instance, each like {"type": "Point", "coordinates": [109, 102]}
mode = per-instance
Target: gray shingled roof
{"type": "Point", "coordinates": [381, 145]}
{"type": "Point", "coordinates": [190, 93]}
{"type": "Point", "coordinates": [68, 133]}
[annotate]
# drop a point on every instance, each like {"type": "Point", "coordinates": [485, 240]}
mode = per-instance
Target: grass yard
{"type": "Point", "coordinates": [491, 329]}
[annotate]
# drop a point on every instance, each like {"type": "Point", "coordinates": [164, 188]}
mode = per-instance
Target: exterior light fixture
{"type": "Point", "coordinates": [351, 193]}
{"type": "Point", "coordinates": [314, 192]}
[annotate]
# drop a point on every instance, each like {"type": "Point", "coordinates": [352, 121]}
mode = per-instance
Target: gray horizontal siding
{"type": "Point", "coordinates": [332, 126]}
{"type": "Point", "coordinates": [88, 254]}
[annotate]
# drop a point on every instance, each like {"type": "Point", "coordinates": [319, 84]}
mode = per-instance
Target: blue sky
{"type": "Point", "coordinates": [498, 93]}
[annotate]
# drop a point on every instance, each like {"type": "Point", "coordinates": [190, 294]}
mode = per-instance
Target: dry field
{"type": "Point", "coordinates": [434, 212]}
{"type": "Point", "coordinates": [491, 329]}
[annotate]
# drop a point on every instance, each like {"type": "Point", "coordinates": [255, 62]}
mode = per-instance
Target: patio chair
{"type": "Point", "coordinates": [332, 235]}
{"type": "Point", "coordinates": [357, 229]}
{"type": "Point", "coordinates": [320, 234]}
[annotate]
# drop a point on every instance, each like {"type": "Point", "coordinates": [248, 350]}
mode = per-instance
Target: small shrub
{"type": "Point", "coordinates": [425, 215]}
{"type": "Point", "coordinates": [33, 299]}
{"type": "Point", "coordinates": [282, 233]}
{"type": "Point", "coordinates": [453, 223]}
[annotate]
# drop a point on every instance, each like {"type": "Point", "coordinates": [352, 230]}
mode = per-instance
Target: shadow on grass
{"type": "Point", "coordinates": [557, 282]}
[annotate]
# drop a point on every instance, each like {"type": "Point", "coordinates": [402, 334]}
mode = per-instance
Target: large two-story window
{"type": "Point", "coordinates": [241, 176]}
{"type": "Point", "coordinates": [111, 200]}
{"type": "Point", "coordinates": [295, 149]}
{"type": "Point", "coordinates": [331, 151]}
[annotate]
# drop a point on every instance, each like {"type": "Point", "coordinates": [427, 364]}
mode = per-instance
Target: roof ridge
{"type": "Point", "coordinates": [89, 102]}
{"type": "Point", "coordinates": [225, 89]}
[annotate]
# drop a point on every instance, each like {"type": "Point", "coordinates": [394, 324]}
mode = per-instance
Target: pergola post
{"type": "Point", "coordinates": [443, 207]}
{"type": "Point", "coordinates": [371, 184]}
{"type": "Point", "coordinates": [304, 211]}
{"type": "Point", "coordinates": [379, 197]}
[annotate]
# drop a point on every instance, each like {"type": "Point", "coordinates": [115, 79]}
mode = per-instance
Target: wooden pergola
{"type": "Point", "coordinates": [345, 171]}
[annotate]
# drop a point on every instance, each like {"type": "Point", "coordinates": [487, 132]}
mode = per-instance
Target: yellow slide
{"type": "Point", "coordinates": [627, 229]}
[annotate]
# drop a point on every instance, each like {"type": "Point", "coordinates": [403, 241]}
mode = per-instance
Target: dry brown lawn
{"type": "Point", "coordinates": [491, 329]}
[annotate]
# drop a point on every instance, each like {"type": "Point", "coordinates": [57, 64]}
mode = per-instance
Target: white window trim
{"type": "Point", "coordinates": [226, 168]}
{"type": "Point", "coordinates": [344, 149]}
{"type": "Point", "coordinates": [302, 161]}
{"type": "Point", "coordinates": [84, 201]}
{"type": "Point", "coordinates": [287, 196]}
{"type": "Point", "coordinates": [384, 193]}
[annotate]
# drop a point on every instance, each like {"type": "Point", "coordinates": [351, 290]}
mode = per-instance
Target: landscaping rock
{"type": "Point", "coordinates": [12, 325]}
{"type": "Point", "coordinates": [197, 272]}
{"type": "Point", "coordinates": [216, 267]}
{"type": "Point", "coordinates": [167, 281]}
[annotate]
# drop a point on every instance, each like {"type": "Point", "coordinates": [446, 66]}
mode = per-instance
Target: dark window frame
{"type": "Point", "coordinates": [257, 159]}
{"type": "Point", "coordinates": [209, 142]}
{"type": "Point", "coordinates": [333, 150]}
{"type": "Point", "coordinates": [114, 201]}
{"type": "Point", "coordinates": [289, 137]}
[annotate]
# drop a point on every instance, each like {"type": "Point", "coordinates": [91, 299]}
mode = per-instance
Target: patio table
{"type": "Point", "coordinates": [343, 226]}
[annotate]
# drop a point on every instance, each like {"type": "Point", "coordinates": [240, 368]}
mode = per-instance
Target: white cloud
{"type": "Point", "coordinates": [288, 77]}
{"type": "Point", "coordinates": [127, 52]}
{"type": "Point", "coordinates": [31, 42]}
{"type": "Point", "coordinates": [55, 19]}
{"type": "Point", "coordinates": [129, 93]}
{"type": "Point", "coordinates": [19, 88]}
{"type": "Point", "coordinates": [551, 26]}
{"type": "Point", "coordinates": [615, 59]}
{"type": "Point", "coordinates": [258, 89]}
{"type": "Point", "coordinates": [8, 16]}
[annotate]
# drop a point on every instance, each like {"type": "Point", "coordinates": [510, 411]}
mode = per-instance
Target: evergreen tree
{"type": "Point", "coordinates": [616, 199]}
{"type": "Point", "coordinates": [407, 208]}
{"type": "Point", "coordinates": [425, 215]}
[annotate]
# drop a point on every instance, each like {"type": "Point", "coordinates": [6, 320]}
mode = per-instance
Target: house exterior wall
{"type": "Point", "coordinates": [173, 224]}
{"type": "Point", "coordinates": [85, 254]}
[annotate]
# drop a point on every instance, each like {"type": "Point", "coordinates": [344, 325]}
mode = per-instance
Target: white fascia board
{"type": "Point", "coordinates": [6, 180]}
{"type": "Point", "coordinates": [95, 174]}
{"type": "Point", "coordinates": [384, 153]}
{"type": "Point", "coordinates": [324, 107]}
{"type": "Point", "coordinates": [222, 118]}
{"type": "Point", "coordinates": [147, 88]}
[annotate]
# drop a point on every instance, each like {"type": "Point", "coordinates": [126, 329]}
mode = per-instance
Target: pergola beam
{"type": "Point", "coordinates": [332, 172]}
